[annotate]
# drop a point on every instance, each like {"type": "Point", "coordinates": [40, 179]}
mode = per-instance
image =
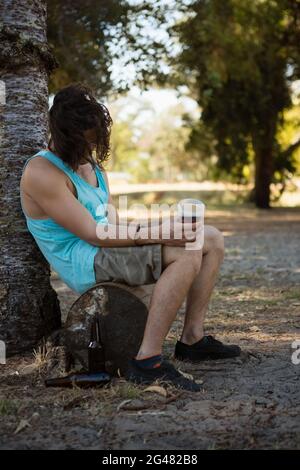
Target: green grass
{"type": "Point", "coordinates": [129, 391]}
{"type": "Point", "coordinates": [7, 407]}
{"type": "Point", "coordinates": [291, 294]}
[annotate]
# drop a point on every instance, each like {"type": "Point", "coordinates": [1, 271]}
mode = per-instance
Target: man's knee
{"type": "Point", "coordinates": [213, 240]}
{"type": "Point", "coordinates": [175, 253]}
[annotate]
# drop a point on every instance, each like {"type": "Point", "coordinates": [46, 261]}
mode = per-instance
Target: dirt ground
{"type": "Point", "coordinates": [252, 402]}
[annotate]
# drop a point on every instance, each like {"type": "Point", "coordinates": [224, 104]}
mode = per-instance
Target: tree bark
{"type": "Point", "coordinates": [29, 308]}
{"type": "Point", "coordinates": [122, 314]}
{"type": "Point", "coordinates": [263, 177]}
{"type": "Point", "coordinates": [263, 145]}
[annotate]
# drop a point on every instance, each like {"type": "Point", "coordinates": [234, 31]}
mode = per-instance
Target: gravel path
{"type": "Point", "coordinates": [249, 402]}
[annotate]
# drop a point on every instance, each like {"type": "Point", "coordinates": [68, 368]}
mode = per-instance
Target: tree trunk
{"type": "Point", "coordinates": [29, 308]}
{"type": "Point", "coordinates": [263, 177]}
{"type": "Point", "coordinates": [122, 314]}
{"type": "Point", "coordinates": [263, 145]}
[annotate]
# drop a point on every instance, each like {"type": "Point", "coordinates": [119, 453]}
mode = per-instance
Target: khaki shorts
{"type": "Point", "coordinates": [132, 265]}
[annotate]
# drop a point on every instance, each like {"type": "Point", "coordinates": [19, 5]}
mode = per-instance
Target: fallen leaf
{"type": "Point", "coordinates": [29, 369]}
{"type": "Point", "coordinates": [122, 404]}
{"type": "Point", "coordinates": [254, 328]}
{"type": "Point", "coordinates": [156, 389]}
{"type": "Point", "coordinates": [135, 405]}
{"type": "Point", "coordinates": [22, 425]}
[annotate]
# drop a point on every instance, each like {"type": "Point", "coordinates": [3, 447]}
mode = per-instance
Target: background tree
{"type": "Point", "coordinates": [29, 308]}
{"type": "Point", "coordinates": [164, 139]}
{"type": "Point", "coordinates": [124, 154]}
{"type": "Point", "coordinates": [85, 36]}
{"type": "Point", "coordinates": [240, 60]}
{"type": "Point", "coordinates": [151, 145]}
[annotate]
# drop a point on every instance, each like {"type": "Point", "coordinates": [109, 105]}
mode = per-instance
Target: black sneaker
{"type": "Point", "coordinates": [165, 373]}
{"type": "Point", "coordinates": [207, 348]}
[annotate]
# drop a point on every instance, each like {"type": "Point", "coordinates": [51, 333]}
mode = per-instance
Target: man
{"type": "Point", "coordinates": [62, 189]}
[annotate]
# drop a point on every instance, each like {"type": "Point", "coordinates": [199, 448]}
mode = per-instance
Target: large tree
{"type": "Point", "coordinates": [29, 308]}
{"type": "Point", "coordinates": [85, 36]}
{"type": "Point", "coordinates": [239, 59]}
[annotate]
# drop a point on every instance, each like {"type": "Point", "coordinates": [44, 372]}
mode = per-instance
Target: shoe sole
{"type": "Point", "coordinates": [205, 358]}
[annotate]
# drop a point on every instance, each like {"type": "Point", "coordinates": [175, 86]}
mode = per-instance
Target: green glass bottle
{"type": "Point", "coordinates": [96, 375]}
{"type": "Point", "coordinates": [96, 356]}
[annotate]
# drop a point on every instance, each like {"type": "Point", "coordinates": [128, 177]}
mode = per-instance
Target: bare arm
{"type": "Point", "coordinates": [151, 231]}
{"type": "Point", "coordinates": [50, 191]}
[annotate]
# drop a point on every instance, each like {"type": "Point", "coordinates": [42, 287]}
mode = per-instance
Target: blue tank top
{"type": "Point", "coordinates": [71, 257]}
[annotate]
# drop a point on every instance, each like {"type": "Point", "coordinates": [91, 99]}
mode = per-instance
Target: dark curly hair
{"type": "Point", "coordinates": [74, 111]}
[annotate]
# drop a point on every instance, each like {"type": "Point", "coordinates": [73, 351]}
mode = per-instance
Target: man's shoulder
{"type": "Point", "coordinates": [39, 171]}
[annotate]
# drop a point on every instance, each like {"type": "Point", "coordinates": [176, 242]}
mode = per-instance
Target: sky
{"type": "Point", "coordinates": [124, 72]}
{"type": "Point", "coordinates": [150, 102]}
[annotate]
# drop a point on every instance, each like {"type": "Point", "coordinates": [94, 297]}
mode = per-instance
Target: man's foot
{"type": "Point", "coordinates": [207, 348]}
{"type": "Point", "coordinates": [166, 372]}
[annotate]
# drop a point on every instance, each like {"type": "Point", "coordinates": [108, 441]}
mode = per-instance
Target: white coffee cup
{"type": "Point", "coordinates": [190, 211]}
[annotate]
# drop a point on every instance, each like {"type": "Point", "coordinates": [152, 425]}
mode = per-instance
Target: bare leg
{"type": "Point", "coordinates": [202, 287]}
{"type": "Point", "coordinates": [181, 268]}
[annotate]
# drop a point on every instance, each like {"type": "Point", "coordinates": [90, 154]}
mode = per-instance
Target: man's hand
{"type": "Point", "coordinates": [171, 232]}
{"type": "Point", "coordinates": [175, 233]}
